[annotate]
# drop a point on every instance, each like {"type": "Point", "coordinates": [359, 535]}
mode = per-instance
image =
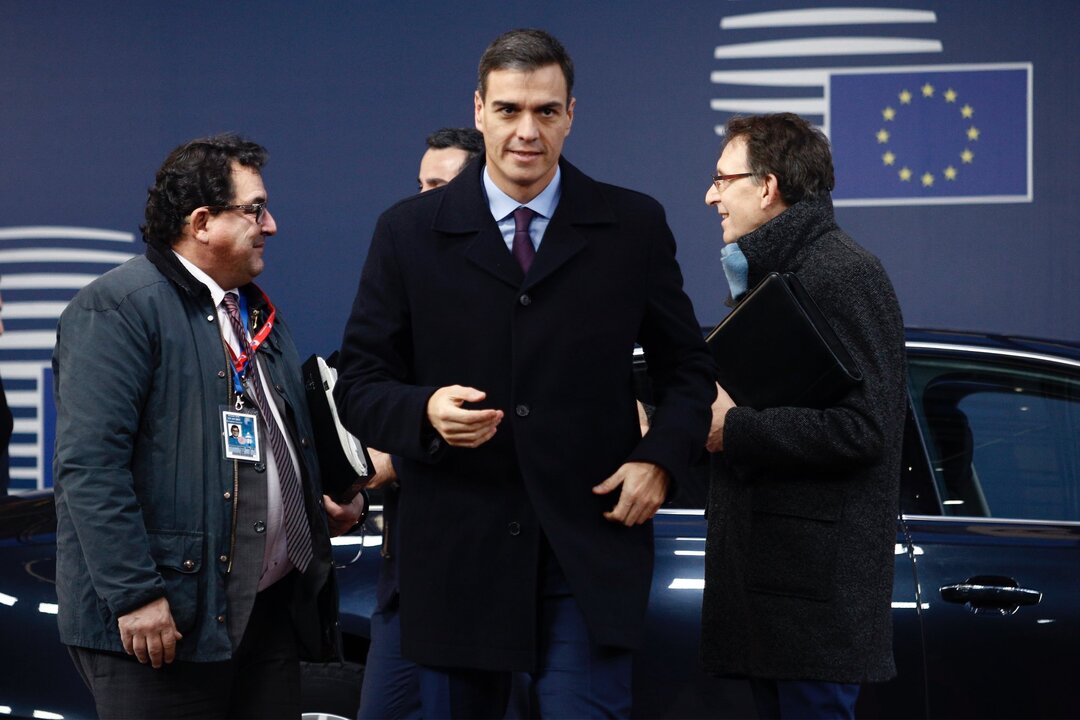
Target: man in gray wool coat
{"type": "Point", "coordinates": [803, 501]}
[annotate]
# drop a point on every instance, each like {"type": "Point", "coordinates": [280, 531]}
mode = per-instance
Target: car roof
{"type": "Point", "coordinates": [922, 339]}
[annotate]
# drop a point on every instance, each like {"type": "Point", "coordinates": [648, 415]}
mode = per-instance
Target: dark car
{"type": "Point", "coordinates": [986, 599]}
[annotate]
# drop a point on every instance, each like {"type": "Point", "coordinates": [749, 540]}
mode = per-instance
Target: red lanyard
{"type": "Point", "coordinates": [240, 361]}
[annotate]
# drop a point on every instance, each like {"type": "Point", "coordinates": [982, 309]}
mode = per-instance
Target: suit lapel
{"type": "Point", "coordinates": [464, 212]}
{"type": "Point", "coordinates": [581, 206]}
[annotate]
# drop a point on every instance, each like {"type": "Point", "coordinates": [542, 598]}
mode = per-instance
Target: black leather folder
{"type": "Point", "coordinates": [776, 349]}
{"type": "Point", "coordinates": [344, 462]}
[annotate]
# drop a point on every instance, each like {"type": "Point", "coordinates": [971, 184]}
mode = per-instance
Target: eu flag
{"type": "Point", "coordinates": [931, 135]}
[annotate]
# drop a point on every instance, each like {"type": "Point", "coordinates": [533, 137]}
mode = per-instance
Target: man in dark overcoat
{"type": "Point", "coordinates": [803, 502]}
{"type": "Point", "coordinates": [490, 350]}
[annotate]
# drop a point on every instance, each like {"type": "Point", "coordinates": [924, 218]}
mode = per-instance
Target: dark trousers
{"type": "Point", "coordinates": [391, 686]}
{"type": "Point", "coordinates": [262, 680]}
{"type": "Point", "coordinates": [809, 699]}
{"type": "Point", "coordinates": [575, 678]}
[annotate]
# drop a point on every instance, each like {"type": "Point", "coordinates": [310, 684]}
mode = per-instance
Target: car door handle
{"type": "Point", "coordinates": [991, 592]}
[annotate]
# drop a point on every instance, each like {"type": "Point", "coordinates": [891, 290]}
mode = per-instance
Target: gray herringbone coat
{"type": "Point", "coordinates": [803, 502]}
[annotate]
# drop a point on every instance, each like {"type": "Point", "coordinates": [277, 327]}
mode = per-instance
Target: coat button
{"type": "Point", "coordinates": [221, 373]}
{"type": "Point", "coordinates": [224, 558]}
{"type": "Point", "coordinates": [522, 410]}
{"type": "Point", "coordinates": [189, 564]}
{"type": "Point", "coordinates": [260, 526]}
{"type": "Point", "coordinates": [227, 495]}
{"type": "Point", "coordinates": [209, 318]}
{"type": "Point", "coordinates": [304, 442]}
{"type": "Point", "coordinates": [525, 300]}
{"type": "Point", "coordinates": [221, 618]}
{"type": "Point", "coordinates": [515, 528]}
{"type": "Point", "coordinates": [434, 445]}
{"type": "Point", "coordinates": [260, 467]}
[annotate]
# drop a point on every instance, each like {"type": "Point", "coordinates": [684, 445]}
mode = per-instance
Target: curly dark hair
{"type": "Point", "coordinates": [195, 174]}
{"type": "Point", "coordinates": [788, 147]}
{"type": "Point", "coordinates": [526, 49]}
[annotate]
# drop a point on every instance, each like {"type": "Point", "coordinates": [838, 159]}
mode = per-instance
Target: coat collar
{"type": "Point", "coordinates": [777, 245]}
{"type": "Point", "coordinates": [463, 210]}
{"type": "Point", "coordinates": [174, 271]}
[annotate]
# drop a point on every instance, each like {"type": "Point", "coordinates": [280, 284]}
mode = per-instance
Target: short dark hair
{"type": "Point", "coordinates": [525, 49]}
{"type": "Point", "coordinates": [790, 148]}
{"type": "Point", "coordinates": [468, 139]}
{"type": "Point", "coordinates": [195, 174]}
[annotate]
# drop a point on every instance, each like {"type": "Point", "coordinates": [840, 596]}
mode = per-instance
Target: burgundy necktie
{"type": "Point", "coordinates": [522, 249]}
{"type": "Point", "coordinates": [297, 530]}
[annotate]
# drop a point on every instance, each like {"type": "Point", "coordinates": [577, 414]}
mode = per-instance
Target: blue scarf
{"type": "Point", "coordinates": [735, 269]}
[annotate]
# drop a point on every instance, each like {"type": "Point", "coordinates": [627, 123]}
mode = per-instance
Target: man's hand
{"type": "Point", "coordinates": [644, 488]}
{"type": "Point", "coordinates": [720, 407]}
{"type": "Point", "coordinates": [343, 518]}
{"type": "Point", "coordinates": [150, 634]}
{"type": "Point", "coordinates": [458, 426]}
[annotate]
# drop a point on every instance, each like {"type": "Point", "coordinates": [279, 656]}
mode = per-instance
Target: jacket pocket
{"type": "Point", "coordinates": [179, 559]}
{"type": "Point", "coordinates": [794, 538]}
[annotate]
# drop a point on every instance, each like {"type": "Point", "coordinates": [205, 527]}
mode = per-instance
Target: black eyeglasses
{"type": "Point", "coordinates": [256, 209]}
{"type": "Point", "coordinates": [722, 181]}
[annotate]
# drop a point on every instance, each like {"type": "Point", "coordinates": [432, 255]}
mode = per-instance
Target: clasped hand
{"type": "Point", "coordinates": [462, 427]}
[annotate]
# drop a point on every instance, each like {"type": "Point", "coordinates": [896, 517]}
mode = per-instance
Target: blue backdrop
{"type": "Point", "coordinates": [973, 99]}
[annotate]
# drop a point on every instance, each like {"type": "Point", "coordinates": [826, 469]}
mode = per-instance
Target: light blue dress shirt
{"type": "Point", "coordinates": [503, 207]}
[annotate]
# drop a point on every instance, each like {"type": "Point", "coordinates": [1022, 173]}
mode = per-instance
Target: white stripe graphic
{"type": "Point", "coordinates": [51, 281]}
{"type": "Point", "coordinates": [29, 339]}
{"type": "Point", "coordinates": [826, 16]}
{"type": "Point", "coordinates": [22, 310]}
{"type": "Point", "coordinates": [43, 255]}
{"type": "Point", "coordinates": [816, 77]}
{"type": "Point", "coordinates": [800, 106]}
{"type": "Point", "coordinates": [39, 232]}
{"type": "Point", "coordinates": [822, 46]}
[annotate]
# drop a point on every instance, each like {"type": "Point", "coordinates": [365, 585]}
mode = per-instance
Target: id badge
{"type": "Point", "coordinates": [240, 432]}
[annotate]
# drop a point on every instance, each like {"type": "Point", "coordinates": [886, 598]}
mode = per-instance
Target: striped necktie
{"type": "Point", "coordinates": [297, 530]}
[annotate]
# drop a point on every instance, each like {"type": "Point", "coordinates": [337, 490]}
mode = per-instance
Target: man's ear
{"type": "Point", "coordinates": [478, 111]}
{"type": "Point", "coordinates": [197, 222]}
{"type": "Point", "coordinates": [771, 199]}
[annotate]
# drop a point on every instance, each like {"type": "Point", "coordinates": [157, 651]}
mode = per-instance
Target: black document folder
{"type": "Point", "coordinates": [776, 349]}
{"type": "Point", "coordinates": [343, 460]}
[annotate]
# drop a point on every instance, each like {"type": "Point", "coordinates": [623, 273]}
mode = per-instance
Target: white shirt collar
{"type": "Point", "coordinates": [215, 290]}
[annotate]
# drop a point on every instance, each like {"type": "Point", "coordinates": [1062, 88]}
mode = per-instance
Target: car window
{"type": "Point", "coordinates": [1003, 439]}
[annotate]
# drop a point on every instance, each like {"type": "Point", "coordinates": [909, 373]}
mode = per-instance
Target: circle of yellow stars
{"type": "Point", "coordinates": [949, 172]}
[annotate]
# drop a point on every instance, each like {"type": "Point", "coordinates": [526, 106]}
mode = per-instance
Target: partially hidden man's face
{"type": "Point", "coordinates": [236, 241]}
{"type": "Point", "coordinates": [741, 203]}
{"type": "Point", "coordinates": [525, 117]}
{"type": "Point", "coordinates": [439, 166]}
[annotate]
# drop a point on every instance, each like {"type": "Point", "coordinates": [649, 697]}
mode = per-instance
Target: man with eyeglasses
{"type": "Point", "coordinates": [192, 575]}
{"type": "Point", "coordinates": [803, 500]}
